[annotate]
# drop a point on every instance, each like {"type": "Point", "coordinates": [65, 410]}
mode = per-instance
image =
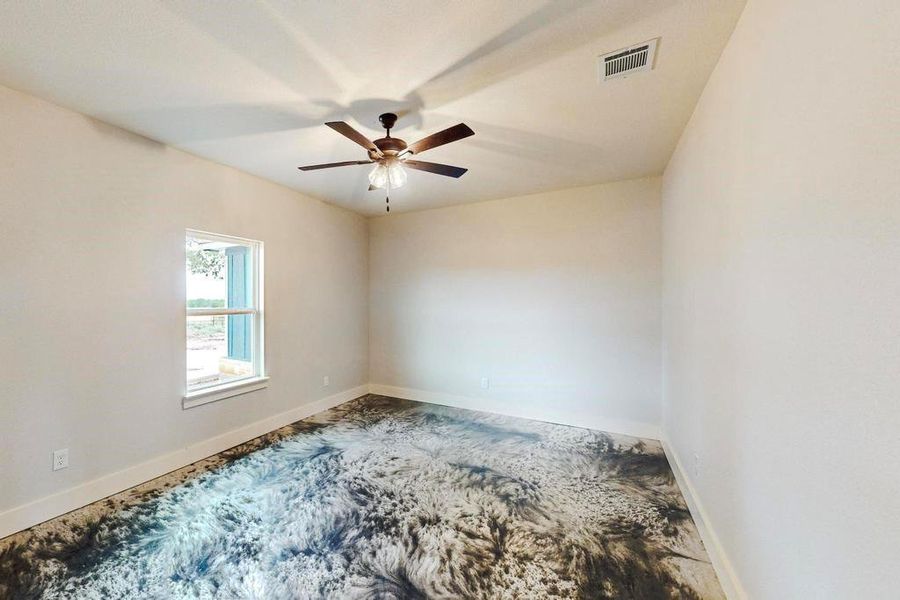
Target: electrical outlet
{"type": "Point", "coordinates": [60, 459]}
{"type": "Point", "coordinates": [696, 464]}
{"type": "Point", "coordinates": [326, 381]}
{"type": "Point", "coordinates": [485, 383]}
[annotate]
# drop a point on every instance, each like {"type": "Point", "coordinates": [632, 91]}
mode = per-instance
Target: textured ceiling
{"type": "Point", "coordinates": [249, 84]}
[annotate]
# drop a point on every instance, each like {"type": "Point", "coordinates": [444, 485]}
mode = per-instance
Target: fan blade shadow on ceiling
{"type": "Point", "coordinates": [544, 34]}
{"type": "Point", "coordinates": [186, 124]}
{"type": "Point", "coordinates": [365, 111]}
{"type": "Point", "coordinates": [539, 147]}
{"type": "Point", "coordinates": [313, 69]}
{"type": "Point", "coordinates": [558, 27]}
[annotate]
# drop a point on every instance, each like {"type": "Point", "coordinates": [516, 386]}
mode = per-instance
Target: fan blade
{"type": "Point", "coordinates": [452, 134]}
{"type": "Point", "coordinates": [354, 135]}
{"type": "Point", "coordinates": [436, 168]}
{"type": "Point", "coordinates": [346, 163]}
{"type": "Point", "coordinates": [372, 188]}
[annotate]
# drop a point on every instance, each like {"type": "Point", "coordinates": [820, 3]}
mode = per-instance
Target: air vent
{"type": "Point", "coordinates": [626, 61]}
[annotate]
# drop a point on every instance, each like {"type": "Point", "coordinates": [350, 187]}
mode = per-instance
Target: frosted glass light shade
{"type": "Point", "coordinates": [378, 176]}
{"type": "Point", "coordinates": [396, 175]}
{"type": "Point", "coordinates": [391, 172]}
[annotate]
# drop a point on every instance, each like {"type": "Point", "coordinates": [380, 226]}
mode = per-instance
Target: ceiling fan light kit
{"type": "Point", "coordinates": [388, 173]}
{"type": "Point", "coordinates": [391, 154]}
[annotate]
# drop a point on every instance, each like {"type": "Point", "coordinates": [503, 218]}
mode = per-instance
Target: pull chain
{"type": "Point", "coordinates": [387, 196]}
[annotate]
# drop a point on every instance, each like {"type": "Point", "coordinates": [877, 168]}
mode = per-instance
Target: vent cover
{"type": "Point", "coordinates": [626, 61]}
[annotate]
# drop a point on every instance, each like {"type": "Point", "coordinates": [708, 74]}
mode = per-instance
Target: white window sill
{"type": "Point", "coordinates": [220, 392]}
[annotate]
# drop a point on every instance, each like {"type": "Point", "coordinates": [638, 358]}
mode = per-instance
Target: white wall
{"type": "Point", "coordinates": [554, 297]}
{"type": "Point", "coordinates": [92, 323]}
{"type": "Point", "coordinates": [782, 299]}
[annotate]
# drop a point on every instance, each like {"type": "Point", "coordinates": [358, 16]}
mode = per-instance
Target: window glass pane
{"type": "Point", "coordinates": [218, 351]}
{"type": "Point", "coordinates": [219, 274]}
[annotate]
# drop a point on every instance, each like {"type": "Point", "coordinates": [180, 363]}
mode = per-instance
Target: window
{"type": "Point", "coordinates": [224, 317]}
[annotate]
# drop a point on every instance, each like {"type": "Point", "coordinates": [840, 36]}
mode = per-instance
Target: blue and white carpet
{"type": "Point", "coordinates": [384, 498]}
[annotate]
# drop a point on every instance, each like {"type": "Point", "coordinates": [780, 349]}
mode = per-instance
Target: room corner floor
{"type": "Point", "coordinates": [384, 498]}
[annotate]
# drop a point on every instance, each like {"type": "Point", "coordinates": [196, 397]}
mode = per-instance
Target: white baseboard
{"type": "Point", "coordinates": [724, 569]}
{"type": "Point", "coordinates": [550, 415]}
{"type": "Point", "coordinates": [48, 507]}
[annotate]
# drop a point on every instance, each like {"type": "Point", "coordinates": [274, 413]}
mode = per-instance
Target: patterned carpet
{"type": "Point", "coordinates": [384, 498]}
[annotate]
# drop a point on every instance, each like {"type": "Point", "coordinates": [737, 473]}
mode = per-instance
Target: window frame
{"type": "Point", "coordinates": [259, 379]}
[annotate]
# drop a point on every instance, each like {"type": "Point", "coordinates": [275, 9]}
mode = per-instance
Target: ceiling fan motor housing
{"type": "Point", "coordinates": [388, 146]}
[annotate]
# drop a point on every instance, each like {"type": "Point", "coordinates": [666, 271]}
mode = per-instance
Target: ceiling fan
{"type": "Point", "coordinates": [390, 154]}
